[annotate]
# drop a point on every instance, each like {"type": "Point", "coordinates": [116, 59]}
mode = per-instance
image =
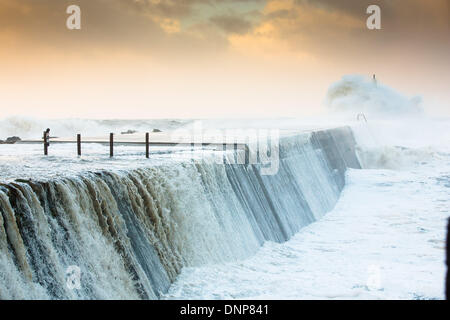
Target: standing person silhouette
{"type": "Point", "coordinates": [47, 137]}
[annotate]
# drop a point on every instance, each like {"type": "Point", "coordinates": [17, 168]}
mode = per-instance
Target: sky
{"type": "Point", "coordinates": [214, 58]}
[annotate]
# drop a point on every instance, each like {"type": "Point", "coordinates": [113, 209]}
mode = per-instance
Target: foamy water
{"type": "Point", "coordinates": [385, 239]}
{"type": "Point", "coordinates": [26, 161]}
{"type": "Point", "coordinates": [131, 229]}
{"type": "Point", "coordinates": [32, 128]}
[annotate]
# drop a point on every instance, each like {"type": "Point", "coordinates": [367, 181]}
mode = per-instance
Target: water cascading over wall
{"type": "Point", "coordinates": [131, 232]}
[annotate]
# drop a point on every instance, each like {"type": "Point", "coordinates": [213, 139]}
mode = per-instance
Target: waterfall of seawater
{"type": "Point", "coordinates": [131, 232]}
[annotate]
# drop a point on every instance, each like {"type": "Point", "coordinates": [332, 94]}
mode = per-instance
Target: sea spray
{"type": "Point", "coordinates": [131, 232]}
{"type": "Point", "coordinates": [355, 94]}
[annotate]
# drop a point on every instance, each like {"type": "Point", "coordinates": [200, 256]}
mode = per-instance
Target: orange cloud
{"type": "Point", "coordinates": [206, 57]}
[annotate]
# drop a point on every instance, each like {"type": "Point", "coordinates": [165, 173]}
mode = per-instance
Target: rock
{"type": "Point", "coordinates": [129, 132]}
{"type": "Point", "coordinates": [12, 139]}
{"type": "Point", "coordinates": [156, 130]}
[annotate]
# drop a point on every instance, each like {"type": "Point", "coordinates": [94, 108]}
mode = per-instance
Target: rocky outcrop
{"type": "Point", "coordinates": [10, 140]}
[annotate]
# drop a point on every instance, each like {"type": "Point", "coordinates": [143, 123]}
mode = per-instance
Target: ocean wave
{"type": "Point", "coordinates": [357, 94]}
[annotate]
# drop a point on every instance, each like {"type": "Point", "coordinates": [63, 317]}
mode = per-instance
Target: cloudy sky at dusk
{"type": "Point", "coordinates": [214, 58]}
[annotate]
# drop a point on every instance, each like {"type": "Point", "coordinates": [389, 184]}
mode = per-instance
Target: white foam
{"type": "Point", "coordinates": [356, 94]}
{"type": "Point", "coordinates": [383, 240]}
{"type": "Point", "coordinates": [32, 128]}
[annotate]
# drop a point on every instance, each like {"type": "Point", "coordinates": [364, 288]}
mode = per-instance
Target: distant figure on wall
{"type": "Point", "coordinates": [374, 79]}
{"type": "Point", "coordinates": [47, 137]}
{"type": "Point", "coordinates": [46, 140]}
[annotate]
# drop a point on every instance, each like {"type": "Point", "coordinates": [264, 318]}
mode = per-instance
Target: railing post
{"type": "Point", "coordinates": [45, 137]}
{"type": "Point", "coordinates": [147, 145]}
{"type": "Point", "coordinates": [111, 145]}
{"type": "Point", "coordinates": [79, 145]}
